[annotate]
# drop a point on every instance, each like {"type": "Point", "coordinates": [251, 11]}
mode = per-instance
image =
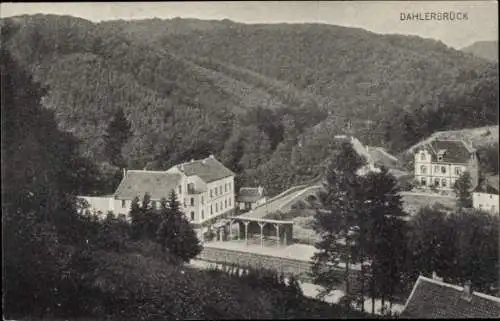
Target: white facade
{"type": "Point", "coordinates": [439, 174]}
{"type": "Point", "coordinates": [200, 201]}
{"type": "Point", "coordinates": [486, 202]}
{"type": "Point", "coordinates": [204, 201]}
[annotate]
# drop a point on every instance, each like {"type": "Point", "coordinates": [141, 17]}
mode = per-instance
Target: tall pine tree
{"type": "Point", "coordinates": [335, 223]}
{"type": "Point", "coordinates": [175, 234]}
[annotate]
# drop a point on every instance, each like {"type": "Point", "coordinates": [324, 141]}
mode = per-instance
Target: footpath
{"type": "Point", "coordinates": [311, 290]}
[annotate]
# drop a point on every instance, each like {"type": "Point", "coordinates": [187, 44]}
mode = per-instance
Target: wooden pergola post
{"type": "Point", "coordinates": [246, 232]}
{"type": "Point", "coordinates": [277, 226]}
{"type": "Point", "coordinates": [262, 224]}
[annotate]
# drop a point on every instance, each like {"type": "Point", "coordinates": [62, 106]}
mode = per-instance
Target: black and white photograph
{"type": "Point", "coordinates": [212, 160]}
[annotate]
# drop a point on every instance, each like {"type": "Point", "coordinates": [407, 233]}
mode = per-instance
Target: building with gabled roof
{"type": "Point", "coordinates": [432, 298]}
{"type": "Point", "coordinates": [440, 163]}
{"type": "Point", "coordinates": [205, 189]}
{"type": "Point", "coordinates": [250, 197]}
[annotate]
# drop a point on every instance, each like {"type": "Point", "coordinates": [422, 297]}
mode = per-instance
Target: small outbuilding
{"type": "Point", "coordinates": [250, 197]}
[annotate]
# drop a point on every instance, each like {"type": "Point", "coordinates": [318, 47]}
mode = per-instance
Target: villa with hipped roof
{"type": "Point", "coordinates": [441, 162]}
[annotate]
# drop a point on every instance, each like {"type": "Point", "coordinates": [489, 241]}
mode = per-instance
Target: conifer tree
{"type": "Point", "coordinates": [176, 235]}
{"type": "Point", "coordinates": [334, 224]}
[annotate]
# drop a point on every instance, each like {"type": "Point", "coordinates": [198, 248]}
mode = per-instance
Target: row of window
{"type": "Point", "coordinates": [218, 190]}
{"type": "Point", "coordinates": [219, 206]}
{"type": "Point", "coordinates": [444, 182]}
{"type": "Point", "coordinates": [423, 170]}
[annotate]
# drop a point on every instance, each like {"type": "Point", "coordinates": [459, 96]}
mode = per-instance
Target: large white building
{"type": "Point", "coordinates": [441, 162]}
{"type": "Point", "coordinates": [205, 189]}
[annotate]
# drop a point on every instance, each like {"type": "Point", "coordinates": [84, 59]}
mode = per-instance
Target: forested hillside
{"type": "Point", "coordinates": [266, 99]}
{"type": "Point", "coordinates": [484, 49]}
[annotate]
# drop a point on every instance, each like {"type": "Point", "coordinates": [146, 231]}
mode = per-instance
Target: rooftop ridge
{"type": "Point", "coordinates": [147, 171]}
{"type": "Point", "coordinates": [460, 288]}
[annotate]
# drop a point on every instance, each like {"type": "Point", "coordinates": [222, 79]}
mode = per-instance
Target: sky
{"type": "Point", "coordinates": [377, 16]}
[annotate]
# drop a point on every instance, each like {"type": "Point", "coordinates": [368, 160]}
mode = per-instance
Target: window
{"type": "Point", "coordinates": [423, 169]}
{"type": "Point", "coordinates": [229, 202]}
{"type": "Point", "coordinates": [153, 204]}
{"type": "Point", "coordinates": [221, 205]}
{"type": "Point", "coordinates": [124, 203]}
{"type": "Point", "coordinates": [436, 169]}
{"type": "Point", "coordinates": [220, 189]}
{"type": "Point", "coordinates": [216, 190]}
{"type": "Point", "coordinates": [443, 169]}
{"type": "Point", "coordinates": [192, 216]}
{"type": "Point", "coordinates": [211, 210]}
{"type": "Point", "coordinates": [211, 193]}
{"type": "Point", "coordinates": [436, 182]}
{"type": "Point", "coordinates": [216, 207]}
{"type": "Point", "coordinates": [422, 156]}
{"type": "Point", "coordinates": [440, 158]}
{"type": "Point", "coordinates": [423, 181]}
{"type": "Point", "coordinates": [202, 215]}
{"type": "Point", "coordinates": [180, 189]}
{"type": "Point", "coordinates": [229, 186]}
{"type": "Point", "coordinates": [225, 203]}
{"type": "Point", "coordinates": [458, 171]}
{"type": "Point", "coordinates": [192, 201]}
{"type": "Point", "coordinates": [190, 188]}
{"type": "Point", "coordinates": [202, 200]}
{"type": "Point", "coordinates": [443, 182]}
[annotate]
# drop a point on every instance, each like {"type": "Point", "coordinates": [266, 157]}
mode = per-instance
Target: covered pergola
{"type": "Point", "coordinates": [281, 230]}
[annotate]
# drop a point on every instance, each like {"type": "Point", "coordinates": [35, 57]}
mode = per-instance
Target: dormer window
{"type": "Point", "coordinates": [440, 155]}
{"type": "Point", "coordinates": [422, 156]}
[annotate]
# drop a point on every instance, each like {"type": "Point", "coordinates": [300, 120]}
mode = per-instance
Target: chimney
{"type": "Point", "coordinates": [211, 156]}
{"type": "Point", "coordinates": [124, 172]}
{"type": "Point", "coordinates": [436, 277]}
{"type": "Point", "coordinates": [181, 166]}
{"type": "Point", "coordinates": [467, 294]}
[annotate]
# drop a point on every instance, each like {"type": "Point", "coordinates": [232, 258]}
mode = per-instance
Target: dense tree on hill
{"type": "Point", "coordinates": [488, 159]}
{"type": "Point", "coordinates": [183, 108]}
{"type": "Point", "coordinates": [117, 133]}
{"type": "Point", "coordinates": [43, 236]}
{"type": "Point", "coordinates": [458, 247]}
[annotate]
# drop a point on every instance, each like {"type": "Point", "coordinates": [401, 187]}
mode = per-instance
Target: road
{"type": "Point", "coordinates": [277, 204]}
{"type": "Point", "coordinates": [311, 290]}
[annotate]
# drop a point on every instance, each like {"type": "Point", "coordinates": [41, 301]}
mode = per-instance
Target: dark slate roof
{"type": "Point", "coordinates": [456, 151]}
{"type": "Point", "coordinates": [156, 183]}
{"type": "Point", "coordinates": [435, 299]}
{"type": "Point", "coordinates": [208, 169]}
{"type": "Point", "coordinates": [249, 194]}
